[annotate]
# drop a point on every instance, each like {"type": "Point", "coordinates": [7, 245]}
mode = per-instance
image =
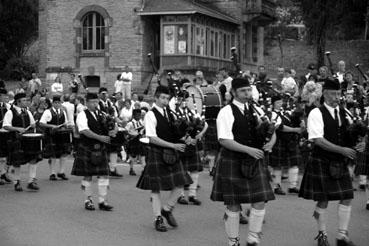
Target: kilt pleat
{"type": "Point", "coordinates": [191, 161]}
{"type": "Point", "coordinates": [55, 150]}
{"type": "Point", "coordinates": [159, 176]}
{"type": "Point", "coordinates": [211, 138]}
{"type": "Point", "coordinates": [16, 155]}
{"type": "Point", "coordinates": [318, 185]}
{"type": "Point", "coordinates": [284, 155]}
{"type": "Point", "coordinates": [85, 166]}
{"type": "Point", "coordinates": [362, 163]}
{"type": "Point", "coordinates": [231, 187]}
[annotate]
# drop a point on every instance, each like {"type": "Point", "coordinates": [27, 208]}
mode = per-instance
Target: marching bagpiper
{"type": "Point", "coordinates": [327, 177]}
{"type": "Point", "coordinates": [241, 174]}
{"type": "Point", "coordinates": [19, 120]}
{"type": "Point", "coordinates": [163, 170]}
{"type": "Point", "coordinates": [92, 158]}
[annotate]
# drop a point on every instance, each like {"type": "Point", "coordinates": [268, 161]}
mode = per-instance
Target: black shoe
{"type": "Point", "coordinates": [115, 174]}
{"type": "Point", "coordinates": [279, 191]}
{"type": "Point", "coordinates": [33, 186]}
{"type": "Point", "coordinates": [322, 239]}
{"type": "Point", "coordinates": [169, 217]}
{"type": "Point", "coordinates": [362, 187]}
{"type": "Point", "coordinates": [105, 207]}
{"type": "Point", "coordinates": [53, 177]}
{"type": "Point", "coordinates": [18, 187]}
{"type": "Point", "coordinates": [251, 244]}
{"type": "Point", "coordinates": [367, 206]}
{"type": "Point", "coordinates": [6, 178]}
{"type": "Point", "coordinates": [132, 172]}
{"type": "Point", "coordinates": [182, 200]}
{"type": "Point", "coordinates": [344, 242]}
{"type": "Point", "coordinates": [89, 205]}
{"type": "Point", "coordinates": [194, 201]}
{"type": "Point", "coordinates": [243, 220]}
{"type": "Point", "coordinates": [159, 224]}
{"type": "Point", "coordinates": [62, 176]}
{"type": "Point", "coordinates": [293, 190]}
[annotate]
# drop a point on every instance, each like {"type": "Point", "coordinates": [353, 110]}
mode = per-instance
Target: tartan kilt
{"type": "Point", "coordinates": [317, 183]}
{"type": "Point", "coordinates": [83, 164]}
{"type": "Point", "coordinates": [211, 137]}
{"type": "Point", "coordinates": [135, 147]}
{"type": "Point", "coordinates": [231, 187]}
{"type": "Point", "coordinates": [284, 155]}
{"type": "Point", "coordinates": [16, 155]}
{"type": "Point", "coordinates": [158, 176]}
{"type": "Point", "coordinates": [362, 164]}
{"type": "Point", "coordinates": [55, 150]}
{"type": "Point", "coordinates": [191, 159]}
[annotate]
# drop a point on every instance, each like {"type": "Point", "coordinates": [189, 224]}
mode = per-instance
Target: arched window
{"type": "Point", "coordinates": [93, 32]}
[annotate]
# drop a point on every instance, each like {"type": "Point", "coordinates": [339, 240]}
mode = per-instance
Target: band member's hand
{"type": "Point", "coordinates": [104, 139]}
{"type": "Point", "coordinates": [360, 147]}
{"type": "Point", "coordinates": [268, 146]}
{"type": "Point", "coordinates": [256, 153]}
{"type": "Point", "coordinates": [188, 140]}
{"type": "Point", "coordinates": [199, 136]}
{"type": "Point", "coordinates": [22, 130]}
{"type": "Point", "coordinates": [179, 147]}
{"type": "Point", "coordinates": [348, 152]}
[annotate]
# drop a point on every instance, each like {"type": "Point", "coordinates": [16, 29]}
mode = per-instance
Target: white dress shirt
{"type": "Point", "coordinates": [150, 121]}
{"type": "Point", "coordinates": [126, 114]}
{"type": "Point", "coordinates": [82, 122]}
{"type": "Point", "coordinates": [126, 77]}
{"type": "Point", "coordinates": [47, 115]}
{"type": "Point", "coordinates": [8, 117]}
{"type": "Point", "coordinates": [118, 85]}
{"type": "Point", "coordinates": [69, 107]}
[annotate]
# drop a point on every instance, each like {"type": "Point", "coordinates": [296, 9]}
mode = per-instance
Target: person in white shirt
{"type": "Point", "coordinates": [57, 86]}
{"type": "Point", "coordinates": [227, 80]}
{"type": "Point", "coordinates": [289, 84]}
{"type": "Point", "coordinates": [341, 71]}
{"type": "Point", "coordinates": [118, 85]}
{"type": "Point", "coordinates": [53, 120]}
{"type": "Point", "coordinates": [126, 112]}
{"type": "Point", "coordinates": [126, 77]}
{"type": "Point", "coordinates": [327, 176]}
{"type": "Point", "coordinates": [34, 84]}
{"type": "Point", "coordinates": [69, 108]}
{"type": "Point", "coordinates": [20, 120]}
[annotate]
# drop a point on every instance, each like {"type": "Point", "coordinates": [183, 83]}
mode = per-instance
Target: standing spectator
{"type": "Point", "coordinates": [227, 80]}
{"type": "Point", "coordinates": [11, 97]}
{"type": "Point", "coordinates": [34, 84]}
{"type": "Point", "coordinates": [57, 86]}
{"type": "Point", "coordinates": [126, 77]}
{"type": "Point", "coordinates": [22, 86]}
{"type": "Point", "coordinates": [118, 85]}
{"type": "Point", "coordinates": [126, 112]}
{"type": "Point", "coordinates": [73, 84]}
{"type": "Point", "coordinates": [341, 71]}
{"type": "Point", "coordinates": [323, 74]}
{"type": "Point", "coordinates": [199, 79]}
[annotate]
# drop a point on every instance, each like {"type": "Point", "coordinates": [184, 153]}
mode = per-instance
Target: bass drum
{"type": "Point", "coordinates": [206, 100]}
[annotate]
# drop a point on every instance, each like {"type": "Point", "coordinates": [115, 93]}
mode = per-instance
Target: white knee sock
{"type": "Point", "coordinates": [172, 200]}
{"type": "Point", "coordinates": [255, 225]}
{"type": "Point", "coordinates": [86, 187]}
{"type": "Point", "coordinates": [16, 174]}
{"type": "Point", "coordinates": [113, 157]}
{"type": "Point", "coordinates": [277, 180]}
{"type": "Point", "coordinates": [102, 184]}
{"type": "Point", "coordinates": [351, 170]}
{"type": "Point", "coordinates": [156, 204]}
{"type": "Point", "coordinates": [62, 162]}
{"type": "Point", "coordinates": [293, 176]}
{"type": "Point", "coordinates": [143, 161]}
{"type": "Point", "coordinates": [32, 172]}
{"type": "Point", "coordinates": [344, 214]}
{"type": "Point", "coordinates": [320, 215]}
{"type": "Point", "coordinates": [193, 186]}
{"type": "Point", "coordinates": [53, 166]}
{"type": "Point", "coordinates": [211, 159]}
{"type": "Point", "coordinates": [2, 165]}
{"type": "Point", "coordinates": [362, 179]}
{"type": "Point", "coordinates": [232, 226]}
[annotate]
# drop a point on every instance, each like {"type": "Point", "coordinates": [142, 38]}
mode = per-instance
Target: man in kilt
{"type": "Point", "coordinates": [163, 170]}
{"type": "Point", "coordinates": [4, 135]}
{"type": "Point", "coordinates": [191, 157]}
{"type": "Point", "coordinates": [52, 120]}
{"type": "Point", "coordinates": [285, 153]}
{"type": "Point", "coordinates": [241, 174]}
{"type": "Point", "coordinates": [327, 177]}
{"type": "Point", "coordinates": [92, 158]}
{"type": "Point", "coordinates": [19, 120]}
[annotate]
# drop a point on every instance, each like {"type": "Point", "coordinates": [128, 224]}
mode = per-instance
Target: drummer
{"type": "Point", "coordinates": [55, 119]}
{"type": "Point", "coordinates": [19, 120]}
{"type": "Point", "coordinates": [4, 107]}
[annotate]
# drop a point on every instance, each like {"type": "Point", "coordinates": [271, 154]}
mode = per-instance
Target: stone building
{"type": "Point", "coordinates": [101, 37]}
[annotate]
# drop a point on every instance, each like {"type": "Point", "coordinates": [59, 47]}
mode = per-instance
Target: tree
{"type": "Point", "coordinates": [18, 29]}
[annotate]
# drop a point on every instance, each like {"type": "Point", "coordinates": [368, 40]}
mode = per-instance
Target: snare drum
{"type": "Point", "coordinates": [119, 139]}
{"type": "Point", "coordinates": [31, 143]}
{"type": "Point", "coordinates": [63, 136]}
{"type": "Point", "coordinates": [208, 98]}
{"type": "Point", "coordinates": [4, 137]}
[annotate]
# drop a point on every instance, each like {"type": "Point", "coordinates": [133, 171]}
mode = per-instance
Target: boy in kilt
{"type": "Point", "coordinates": [327, 177]}
{"type": "Point", "coordinates": [191, 157]}
{"type": "Point", "coordinates": [52, 120]}
{"type": "Point", "coordinates": [19, 120]}
{"type": "Point", "coordinates": [163, 170]}
{"type": "Point", "coordinates": [4, 107]}
{"type": "Point", "coordinates": [241, 174]}
{"type": "Point", "coordinates": [285, 153]}
{"type": "Point", "coordinates": [92, 158]}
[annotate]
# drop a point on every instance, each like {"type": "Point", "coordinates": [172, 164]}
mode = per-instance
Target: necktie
{"type": "Point", "coordinates": [166, 115]}
{"type": "Point", "coordinates": [336, 117]}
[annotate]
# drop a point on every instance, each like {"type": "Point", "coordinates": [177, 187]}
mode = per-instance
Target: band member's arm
{"type": "Point", "coordinates": [291, 129]}
{"type": "Point", "coordinates": [203, 131]}
{"type": "Point", "coordinates": [316, 133]}
{"type": "Point", "coordinates": [46, 117]}
{"type": "Point", "coordinates": [7, 123]}
{"type": "Point", "coordinates": [83, 128]}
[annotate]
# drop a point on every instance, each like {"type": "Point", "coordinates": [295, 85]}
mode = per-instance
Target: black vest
{"type": "Point", "coordinates": [20, 120]}
{"type": "Point", "coordinates": [104, 108]}
{"type": "Point", "coordinates": [95, 126]}
{"type": "Point", "coordinates": [244, 127]}
{"type": "Point", "coordinates": [333, 133]}
{"type": "Point", "coordinates": [3, 110]}
{"type": "Point", "coordinates": [164, 129]}
{"type": "Point", "coordinates": [56, 119]}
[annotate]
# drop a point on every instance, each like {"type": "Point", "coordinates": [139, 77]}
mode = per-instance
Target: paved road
{"type": "Point", "coordinates": [55, 216]}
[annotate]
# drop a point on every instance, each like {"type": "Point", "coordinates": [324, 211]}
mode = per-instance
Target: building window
{"type": "Point", "coordinates": [93, 32]}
